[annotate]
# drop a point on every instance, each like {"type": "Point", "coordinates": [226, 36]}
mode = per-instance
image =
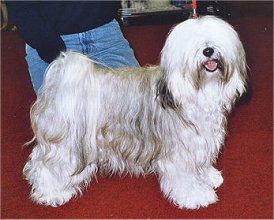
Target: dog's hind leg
{"type": "Point", "coordinates": [52, 175]}
{"type": "Point", "coordinates": [64, 121]}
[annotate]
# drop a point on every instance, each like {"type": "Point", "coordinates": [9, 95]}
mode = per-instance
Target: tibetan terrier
{"type": "Point", "coordinates": [168, 119]}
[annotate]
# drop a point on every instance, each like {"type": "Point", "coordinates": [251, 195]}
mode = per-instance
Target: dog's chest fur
{"type": "Point", "coordinates": [141, 121]}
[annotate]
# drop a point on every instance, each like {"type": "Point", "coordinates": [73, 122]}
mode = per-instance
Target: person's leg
{"type": "Point", "coordinates": [107, 45]}
{"type": "Point", "coordinates": [36, 67]}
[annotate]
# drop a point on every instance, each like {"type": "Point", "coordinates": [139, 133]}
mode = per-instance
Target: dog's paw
{"type": "Point", "coordinates": [189, 192]}
{"type": "Point", "coordinates": [53, 199]}
{"type": "Point", "coordinates": [198, 196]}
{"type": "Point", "coordinates": [213, 177]}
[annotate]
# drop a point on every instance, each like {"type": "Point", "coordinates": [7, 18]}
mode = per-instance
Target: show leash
{"type": "Point", "coordinates": [194, 7]}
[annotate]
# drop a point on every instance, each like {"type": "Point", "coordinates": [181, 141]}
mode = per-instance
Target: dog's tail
{"type": "Point", "coordinates": [66, 109]}
{"type": "Point", "coordinates": [69, 68]}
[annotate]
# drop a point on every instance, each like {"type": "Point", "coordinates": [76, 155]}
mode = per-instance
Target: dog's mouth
{"type": "Point", "coordinates": [212, 65]}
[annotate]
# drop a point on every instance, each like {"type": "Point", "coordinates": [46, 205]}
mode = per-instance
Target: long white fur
{"type": "Point", "coordinates": [168, 119]}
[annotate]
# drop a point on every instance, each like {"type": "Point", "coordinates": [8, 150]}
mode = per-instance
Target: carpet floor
{"type": "Point", "coordinates": [246, 160]}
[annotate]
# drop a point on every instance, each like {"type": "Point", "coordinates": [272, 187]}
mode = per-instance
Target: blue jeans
{"type": "Point", "coordinates": [105, 44]}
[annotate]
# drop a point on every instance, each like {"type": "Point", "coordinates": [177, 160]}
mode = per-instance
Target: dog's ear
{"type": "Point", "coordinates": [165, 96]}
{"type": "Point", "coordinates": [237, 82]}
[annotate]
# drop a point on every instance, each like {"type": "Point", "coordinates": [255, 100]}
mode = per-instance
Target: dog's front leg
{"type": "Point", "coordinates": [181, 182]}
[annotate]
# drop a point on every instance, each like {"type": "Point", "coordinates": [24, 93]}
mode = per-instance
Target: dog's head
{"type": "Point", "coordinates": [203, 55]}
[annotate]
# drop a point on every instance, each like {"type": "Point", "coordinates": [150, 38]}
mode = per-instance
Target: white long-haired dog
{"type": "Point", "coordinates": [168, 119]}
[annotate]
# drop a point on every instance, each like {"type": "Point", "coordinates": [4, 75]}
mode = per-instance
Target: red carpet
{"type": "Point", "coordinates": [246, 160]}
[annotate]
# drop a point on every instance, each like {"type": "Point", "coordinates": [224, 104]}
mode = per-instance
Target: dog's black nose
{"type": "Point", "coordinates": [208, 51]}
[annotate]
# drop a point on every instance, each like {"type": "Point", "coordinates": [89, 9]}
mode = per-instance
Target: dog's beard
{"type": "Point", "coordinates": [168, 119]}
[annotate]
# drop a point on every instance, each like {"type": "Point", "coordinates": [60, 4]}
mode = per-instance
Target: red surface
{"type": "Point", "coordinates": [246, 160]}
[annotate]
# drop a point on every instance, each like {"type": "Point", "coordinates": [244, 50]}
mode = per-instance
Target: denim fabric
{"type": "Point", "coordinates": [105, 44]}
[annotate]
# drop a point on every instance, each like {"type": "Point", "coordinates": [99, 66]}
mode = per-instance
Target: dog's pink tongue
{"type": "Point", "coordinates": [211, 65]}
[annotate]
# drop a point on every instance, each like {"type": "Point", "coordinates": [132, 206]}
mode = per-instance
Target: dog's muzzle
{"type": "Point", "coordinates": [211, 64]}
